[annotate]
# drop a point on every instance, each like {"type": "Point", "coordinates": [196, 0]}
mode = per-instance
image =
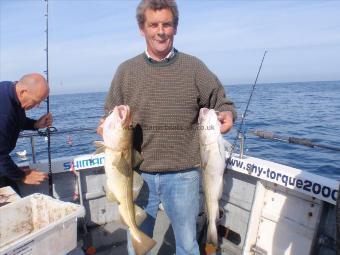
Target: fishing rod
{"type": "Point", "coordinates": [293, 140]}
{"type": "Point", "coordinates": [48, 130]}
{"type": "Point", "coordinates": [240, 129]}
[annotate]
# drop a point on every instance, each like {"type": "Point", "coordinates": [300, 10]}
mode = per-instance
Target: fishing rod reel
{"type": "Point", "coordinates": [46, 131]}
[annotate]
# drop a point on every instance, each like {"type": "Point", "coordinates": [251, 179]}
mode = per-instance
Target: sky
{"type": "Point", "coordinates": [88, 39]}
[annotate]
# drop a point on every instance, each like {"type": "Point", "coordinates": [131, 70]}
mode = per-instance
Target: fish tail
{"type": "Point", "coordinates": [212, 234]}
{"type": "Point", "coordinates": [143, 245]}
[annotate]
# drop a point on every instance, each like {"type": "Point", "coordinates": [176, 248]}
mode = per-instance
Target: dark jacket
{"type": "Point", "coordinates": [12, 120]}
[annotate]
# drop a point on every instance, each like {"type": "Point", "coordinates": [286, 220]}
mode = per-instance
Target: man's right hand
{"type": "Point", "coordinates": [34, 177]}
{"type": "Point", "coordinates": [44, 121]}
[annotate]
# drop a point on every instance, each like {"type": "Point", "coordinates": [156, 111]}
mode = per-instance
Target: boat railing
{"type": "Point", "coordinates": [53, 131]}
{"type": "Point", "coordinates": [263, 134]}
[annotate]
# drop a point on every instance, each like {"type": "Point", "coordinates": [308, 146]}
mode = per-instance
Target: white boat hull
{"type": "Point", "coordinates": [288, 212]}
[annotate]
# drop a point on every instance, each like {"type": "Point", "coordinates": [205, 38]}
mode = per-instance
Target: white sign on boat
{"type": "Point", "coordinates": [308, 183]}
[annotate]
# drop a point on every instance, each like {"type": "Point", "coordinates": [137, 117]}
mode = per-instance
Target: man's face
{"type": "Point", "coordinates": [159, 32]}
{"type": "Point", "coordinates": [29, 100]}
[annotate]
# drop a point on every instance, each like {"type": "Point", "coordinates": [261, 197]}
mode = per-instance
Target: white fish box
{"type": "Point", "coordinates": [39, 225]}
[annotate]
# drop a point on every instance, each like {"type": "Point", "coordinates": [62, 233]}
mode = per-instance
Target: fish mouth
{"type": "Point", "coordinates": [119, 119]}
{"type": "Point", "coordinates": [202, 114]}
{"type": "Point", "coordinates": [123, 114]}
{"type": "Point", "coordinates": [122, 111]}
{"type": "Point", "coordinates": [204, 111]}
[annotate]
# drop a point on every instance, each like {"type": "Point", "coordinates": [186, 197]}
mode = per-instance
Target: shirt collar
{"type": "Point", "coordinates": [170, 55]}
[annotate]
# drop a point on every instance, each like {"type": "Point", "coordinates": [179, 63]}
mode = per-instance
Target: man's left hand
{"type": "Point", "coordinates": [44, 121]}
{"type": "Point", "coordinates": [226, 119]}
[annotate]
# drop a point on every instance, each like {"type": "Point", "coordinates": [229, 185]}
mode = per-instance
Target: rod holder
{"type": "Point", "coordinates": [241, 137]}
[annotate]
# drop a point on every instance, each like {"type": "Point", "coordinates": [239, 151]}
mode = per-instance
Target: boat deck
{"type": "Point", "coordinates": [111, 238]}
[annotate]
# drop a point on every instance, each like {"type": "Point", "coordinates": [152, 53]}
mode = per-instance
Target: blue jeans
{"type": "Point", "coordinates": [179, 194]}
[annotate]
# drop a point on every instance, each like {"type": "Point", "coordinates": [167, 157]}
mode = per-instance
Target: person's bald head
{"type": "Point", "coordinates": [31, 90]}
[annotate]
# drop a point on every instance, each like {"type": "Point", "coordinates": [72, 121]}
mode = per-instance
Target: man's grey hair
{"type": "Point", "coordinates": [156, 5]}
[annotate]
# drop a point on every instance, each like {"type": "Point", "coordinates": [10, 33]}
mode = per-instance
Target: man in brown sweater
{"type": "Point", "coordinates": [165, 89]}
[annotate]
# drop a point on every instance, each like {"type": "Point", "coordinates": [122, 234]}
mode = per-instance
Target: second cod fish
{"type": "Point", "coordinates": [212, 150]}
{"type": "Point", "coordinates": [121, 178]}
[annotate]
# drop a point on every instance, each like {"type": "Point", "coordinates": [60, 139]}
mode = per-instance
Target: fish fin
{"type": "Point", "coordinates": [137, 184]}
{"type": "Point", "coordinates": [100, 147]}
{"type": "Point", "coordinates": [212, 237]}
{"type": "Point", "coordinates": [121, 218]}
{"type": "Point", "coordinates": [226, 144]}
{"type": "Point", "coordinates": [122, 221]}
{"type": "Point", "coordinates": [144, 245]}
{"type": "Point", "coordinates": [136, 158]}
{"type": "Point", "coordinates": [204, 158]}
{"type": "Point", "coordinates": [204, 165]}
{"type": "Point", "coordinates": [122, 165]}
{"type": "Point", "coordinates": [99, 150]}
{"type": "Point", "coordinates": [98, 144]}
{"type": "Point", "coordinates": [140, 215]}
{"type": "Point", "coordinates": [110, 196]}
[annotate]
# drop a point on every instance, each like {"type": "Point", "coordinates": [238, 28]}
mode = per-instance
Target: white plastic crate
{"type": "Point", "coordinates": [7, 195]}
{"type": "Point", "coordinates": [38, 225]}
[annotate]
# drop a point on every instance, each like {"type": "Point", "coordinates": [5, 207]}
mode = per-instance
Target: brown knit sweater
{"type": "Point", "coordinates": [165, 98]}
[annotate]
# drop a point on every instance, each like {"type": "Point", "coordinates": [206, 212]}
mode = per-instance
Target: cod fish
{"type": "Point", "coordinates": [213, 163]}
{"type": "Point", "coordinates": [123, 183]}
